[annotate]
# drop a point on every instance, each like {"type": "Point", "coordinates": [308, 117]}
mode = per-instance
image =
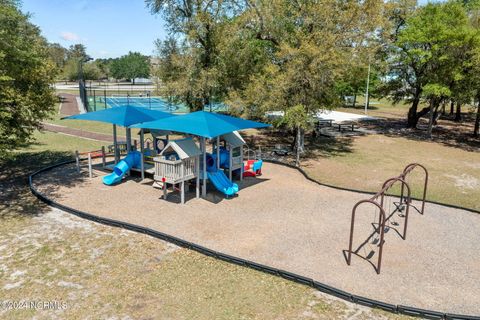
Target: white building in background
{"type": "Point", "coordinates": [142, 81]}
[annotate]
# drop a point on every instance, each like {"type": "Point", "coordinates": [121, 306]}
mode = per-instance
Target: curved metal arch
{"type": "Point", "coordinates": [381, 225]}
{"type": "Point", "coordinates": [387, 185]}
{"type": "Point", "coordinates": [409, 168]}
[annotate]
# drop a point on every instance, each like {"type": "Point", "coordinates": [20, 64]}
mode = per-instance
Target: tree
{"type": "Point", "coordinates": [199, 24]}
{"type": "Point", "coordinates": [91, 71]}
{"type": "Point", "coordinates": [26, 76]}
{"type": "Point", "coordinates": [435, 93]}
{"type": "Point", "coordinates": [304, 83]}
{"type": "Point", "coordinates": [73, 56]}
{"type": "Point", "coordinates": [77, 52]}
{"type": "Point", "coordinates": [70, 70]}
{"type": "Point", "coordinates": [131, 66]}
{"type": "Point", "coordinates": [104, 66]}
{"type": "Point", "coordinates": [58, 54]}
{"type": "Point", "coordinates": [476, 127]}
{"type": "Point", "coordinates": [473, 60]}
{"type": "Point", "coordinates": [427, 51]}
{"type": "Point", "coordinates": [307, 48]}
{"type": "Point", "coordinates": [354, 81]}
{"type": "Point", "coordinates": [172, 72]}
{"type": "Point", "coordinates": [297, 119]}
{"type": "Point", "coordinates": [116, 69]}
{"type": "Point", "coordinates": [476, 83]}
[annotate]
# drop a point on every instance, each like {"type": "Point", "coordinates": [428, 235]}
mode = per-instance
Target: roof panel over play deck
{"type": "Point", "coordinates": [202, 124]}
{"type": "Point", "coordinates": [123, 116]}
{"type": "Point", "coordinates": [185, 148]}
{"type": "Point", "coordinates": [234, 139]}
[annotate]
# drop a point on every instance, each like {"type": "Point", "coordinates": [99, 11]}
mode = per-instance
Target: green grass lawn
{"type": "Point", "coordinates": [104, 272]}
{"type": "Point", "coordinates": [365, 162]}
{"type": "Point", "coordinates": [58, 142]}
{"type": "Point", "coordinates": [92, 126]}
{"type": "Point", "coordinates": [378, 108]}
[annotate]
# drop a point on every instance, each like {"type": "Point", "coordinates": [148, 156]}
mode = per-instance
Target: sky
{"type": "Point", "coordinates": [108, 28]}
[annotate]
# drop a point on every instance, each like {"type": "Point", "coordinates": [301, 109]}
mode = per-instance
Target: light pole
{"type": "Point", "coordinates": [366, 91]}
{"type": "Point", "coordinates": [81, 82]}
{"type": "Point", "coordinates": [80, 66]}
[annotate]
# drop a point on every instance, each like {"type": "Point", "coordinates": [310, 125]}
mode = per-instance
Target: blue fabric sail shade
{"type": "Point", "coordinates": [123, 116]}
{"type": "Point", "coordinates": [203, 124]}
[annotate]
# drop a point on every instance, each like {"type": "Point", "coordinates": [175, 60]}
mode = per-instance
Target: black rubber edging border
{"type": "Point", "coordinates": [411, 311]}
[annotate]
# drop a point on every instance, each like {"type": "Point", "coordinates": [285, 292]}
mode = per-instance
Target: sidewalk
{"type": "Point", "coordinates": [78, 132]}
{"type": "Point", "coordinates": [83, 133]}
{"type": "Point", "coordinates": [69, 105]}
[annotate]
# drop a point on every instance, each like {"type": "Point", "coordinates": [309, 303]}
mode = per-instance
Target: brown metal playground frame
{"type": "Point", "coordinates": [409, 169]}
{"type": "Point", "coordinates": [378, 200]}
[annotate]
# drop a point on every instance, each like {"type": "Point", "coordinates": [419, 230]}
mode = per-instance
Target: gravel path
{"type": "Point", "coordinates": [285, 221]}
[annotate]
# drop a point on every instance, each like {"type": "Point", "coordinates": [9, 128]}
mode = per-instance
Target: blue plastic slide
{"type": "Point", "coordinates": [218, 178]}
{"type": "Point", "coordinates": [131, 160]}
{"type": "Point", "coordinates": [224, 157]}
{"type": "Point", "coordinates": [222, 183]}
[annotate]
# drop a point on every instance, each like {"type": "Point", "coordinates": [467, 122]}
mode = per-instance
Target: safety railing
{"type": "Point", "coordinates": [89, 156]}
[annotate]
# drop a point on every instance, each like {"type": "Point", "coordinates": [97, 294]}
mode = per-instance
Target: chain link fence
{"type": "Point", "coordinates": [95, 99]}
{"type": "Point", "coordinates": [83, 94]}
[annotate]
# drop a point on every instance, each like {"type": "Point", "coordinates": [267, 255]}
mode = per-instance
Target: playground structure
{"type": "Point", "coordinates": [132, 160]}
{"type": "Point", "coordinates": [230, 155]}
{"type": "Point", "coordinates": [226, 151]}
{"type": "Point", "coordinates": [382, 202]}
{"type": "Point", "coordinates": [174, 162]}
{"type": "Point", "coordinates": [408, 169]}
{"type": "Point", "coordinates": [253, 168]}
{"type": "Point", "coordinates": [90, 155]}
{"type": "Point", "coordinates": [178, 162]}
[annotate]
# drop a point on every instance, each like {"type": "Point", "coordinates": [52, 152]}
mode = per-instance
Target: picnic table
{"type": "Point", "coordinates": [345, 127]}
{"type": "Point", "coordinates": [324, 123]}
{"type": "Point", "coordinates": [280, 150]}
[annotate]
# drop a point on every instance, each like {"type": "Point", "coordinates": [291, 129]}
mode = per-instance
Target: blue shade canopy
{"type": "Point", "coordinates": [123, 116]}
{"type": "Point", "coordinates": [203, 124]}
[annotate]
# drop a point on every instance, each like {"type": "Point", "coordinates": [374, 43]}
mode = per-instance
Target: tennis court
{"type": "Point", "coordinates": [154, 103]}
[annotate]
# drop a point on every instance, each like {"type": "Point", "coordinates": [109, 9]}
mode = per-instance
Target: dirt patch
{"type": "Point", "coordinates": [465, 182]}
{"type": "Point", "coordinates": [110, 273]}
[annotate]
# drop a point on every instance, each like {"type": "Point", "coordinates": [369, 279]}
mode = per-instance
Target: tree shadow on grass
{"type": "Point", "coordinates": [446, 132]}
{"type": "Point", "coordinates": [360, 106]}
{"type": "Point", "coordinates": [327, 147]}
{"type": "Point", "coordinates": [315, 146]}
{"type": "Point", "coordinates": [268, 137]}
{"type": "Point", "coordinates": [16, 198]}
